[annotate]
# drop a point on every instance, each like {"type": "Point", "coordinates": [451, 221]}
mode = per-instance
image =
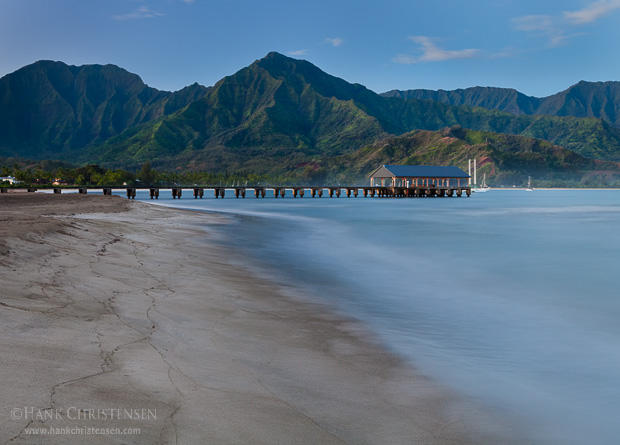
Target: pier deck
{"type": "Point", "coordinates": [275, 191]}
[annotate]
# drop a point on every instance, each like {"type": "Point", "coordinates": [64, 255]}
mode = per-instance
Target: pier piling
{"type": "Point", "coordinates": [198, 192]}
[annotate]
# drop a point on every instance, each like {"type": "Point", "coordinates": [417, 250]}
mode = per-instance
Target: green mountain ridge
{"type": "Point", "coordinates": [584, 99]}
{"type": "Point", "coordinates": [280, 108]}
{"type": "Point", "coordinates": [50, 109]}
{"type": "Point", "coordinates": [277, 115]}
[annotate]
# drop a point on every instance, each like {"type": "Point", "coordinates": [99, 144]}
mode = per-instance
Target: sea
{"type": "Point", "coordinates": [509, 297]}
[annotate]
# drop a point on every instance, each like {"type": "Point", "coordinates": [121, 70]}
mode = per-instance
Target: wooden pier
{"type": "Point", "coordinates": [425, 191]}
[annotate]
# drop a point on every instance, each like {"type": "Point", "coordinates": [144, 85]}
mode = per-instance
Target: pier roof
{"type": "Point", "coordinates": [418, 171]}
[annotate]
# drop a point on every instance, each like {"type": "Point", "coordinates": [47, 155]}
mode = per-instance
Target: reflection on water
{"type": "Point", "coordinates": [507, 296]}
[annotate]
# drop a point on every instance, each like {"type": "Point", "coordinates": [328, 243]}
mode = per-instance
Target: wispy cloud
{"type": "Point", "coordinates": [299, 52]}
{"type": "Point", "coordinates": [144, 12]}
{"type": "Point", "coordinates": [592, 12]}
{"type": "Point", "coordinates": [432, 53]}
{"type": "Point", "coordinates": [555, 29]}
{"type": "Point", "coordinates": [547, 27]}
{"type": "Point", "coordinates": [335, 42]}
{"type": "Point", "coordinates": [543, 23]}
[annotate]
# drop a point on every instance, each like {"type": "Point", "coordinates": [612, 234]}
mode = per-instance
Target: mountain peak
{"type": "Point", "coordinates": [275, 55]}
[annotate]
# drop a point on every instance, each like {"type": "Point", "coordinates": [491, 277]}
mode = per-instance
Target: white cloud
{"type": "Point", "coordinates": [144, 12]}
{"type": "Point", "coordinates": [534, 23]}
{"type": "Point", "coordinates": [555, 28]}
{"type": "Point", "coordinates": [592, 12]}
{"type": "Point", "coordinates": [335, 42]}
{"type": "Point", "coordinates": [543, 26]}
{"type": "Point", "coordinates": [432, 53]}
{"type": "Point", "coordinates": [299, 52]}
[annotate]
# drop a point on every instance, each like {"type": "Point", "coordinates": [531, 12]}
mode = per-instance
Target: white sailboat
{"type": "Point", "coordinates": [529, 184]}
{"type": "Point", "coordinates": [483, 187]}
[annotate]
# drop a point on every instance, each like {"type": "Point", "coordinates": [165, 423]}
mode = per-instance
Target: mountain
{"type": "Point", "coordinates": [275, 108]}
{"type": "Point", "coordinates": [585, 99]}
{"type": "Point", "coordinates": [502, 99]}
{"type": "Point", "coordinates": [50, 109]}
{"type": "Point", "coordinates": [506, 159]}
{"type": "Point", "coordinates": [280, 108]}
{"type": "Point", "coordinates": [277, 115]}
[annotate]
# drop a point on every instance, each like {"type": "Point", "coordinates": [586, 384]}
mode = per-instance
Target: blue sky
{"type": "Point", "coordinates": [538, 47]}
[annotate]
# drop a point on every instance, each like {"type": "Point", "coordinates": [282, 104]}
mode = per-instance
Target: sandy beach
{"type": "Point", "coordinates": [128, 319]}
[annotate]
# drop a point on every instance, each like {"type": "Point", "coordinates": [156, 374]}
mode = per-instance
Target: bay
{"type": "Point", "coordinates": [509, 297]}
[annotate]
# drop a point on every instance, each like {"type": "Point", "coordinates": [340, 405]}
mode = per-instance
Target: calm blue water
{"type": "Point", "coordinates": [510, 297]}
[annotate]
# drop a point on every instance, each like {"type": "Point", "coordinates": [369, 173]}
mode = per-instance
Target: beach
{"type": "Point", "coordinates": [129, 319]}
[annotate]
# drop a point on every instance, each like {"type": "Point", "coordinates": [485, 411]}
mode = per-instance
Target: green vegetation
{"type": "Point", "coordinates": [280, 110]}
{"type": "Point", "coordinates": [55, 173]}
{"type": "Point", "coordinates": [585, 99]}
{"type": "Point", "coordinates": [55, 111]}
{"type": "Point", "coordinates": [505, 159]}
{"type": "Point", "coordinates": [282, 120]}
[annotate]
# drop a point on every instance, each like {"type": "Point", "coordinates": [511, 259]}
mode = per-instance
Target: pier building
{"type": "Point", "coordinates": [417, 176]}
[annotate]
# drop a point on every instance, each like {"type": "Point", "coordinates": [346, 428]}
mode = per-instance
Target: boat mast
{"type": "Point", "coordinates": [475, 179]}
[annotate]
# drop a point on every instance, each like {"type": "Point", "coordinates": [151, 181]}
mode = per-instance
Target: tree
{"type": "Point", "coordinates": [147, 174]}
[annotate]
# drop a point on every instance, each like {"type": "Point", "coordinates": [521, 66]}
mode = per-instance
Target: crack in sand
{"type": "Point", "coordinates": [248, 372]}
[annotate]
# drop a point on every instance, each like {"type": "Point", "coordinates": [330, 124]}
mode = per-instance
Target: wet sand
{"type": "Point", "coordinates": [112, 304]}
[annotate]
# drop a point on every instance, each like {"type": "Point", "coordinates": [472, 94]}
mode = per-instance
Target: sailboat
{"type": "Point", "coordinates": [529, 184]}
{"type": "Point", "coordinates": [483, 187]}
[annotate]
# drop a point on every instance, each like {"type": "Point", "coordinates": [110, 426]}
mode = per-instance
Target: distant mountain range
{"type": "Point", "coordinates": [585, 99]}
{"type": "Point", "coordinates": [277, 115]}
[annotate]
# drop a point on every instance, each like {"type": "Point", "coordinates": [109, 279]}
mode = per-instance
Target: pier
{"type": "Point", "coordinates": [279, 192]}
{"type": "Point", "coordinates": [386, 181]}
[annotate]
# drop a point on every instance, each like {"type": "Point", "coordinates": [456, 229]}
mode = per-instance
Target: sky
{"type": "Point", "coordinates": [538, 47]}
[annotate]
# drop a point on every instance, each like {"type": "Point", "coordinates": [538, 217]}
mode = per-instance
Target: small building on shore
{"type": "Point", "coordinates": [418, 176]}
{"type": "Point", "coordinates": [9, 179]}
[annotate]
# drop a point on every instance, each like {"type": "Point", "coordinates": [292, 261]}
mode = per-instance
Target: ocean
{"type": "Point", "coordinates": [508, 297]}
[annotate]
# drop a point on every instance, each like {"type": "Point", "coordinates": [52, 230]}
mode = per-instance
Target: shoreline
{"type": "Point", "coordinates": [131, 305]}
